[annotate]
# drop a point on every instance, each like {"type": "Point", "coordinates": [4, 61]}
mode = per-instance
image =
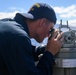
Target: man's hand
{"type": "Point", "coordinates": [54, 44]}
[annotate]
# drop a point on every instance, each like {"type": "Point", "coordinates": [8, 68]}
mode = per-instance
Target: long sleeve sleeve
{"type": "Point", "coordinates": [19, 59]}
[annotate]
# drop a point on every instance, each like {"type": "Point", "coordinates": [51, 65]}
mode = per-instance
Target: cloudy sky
{"type": "Point", "coordinates": [65, 9]}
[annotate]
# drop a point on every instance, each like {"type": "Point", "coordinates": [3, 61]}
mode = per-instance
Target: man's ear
{"type": "Point", "coordinates": [42, 22]}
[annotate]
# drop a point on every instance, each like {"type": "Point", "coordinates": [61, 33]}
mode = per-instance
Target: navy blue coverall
{"type": "Point", "coordinates": [17, 55]}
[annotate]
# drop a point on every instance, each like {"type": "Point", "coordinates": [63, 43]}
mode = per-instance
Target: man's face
{"type": "Point", "coordinates": [44, 30]}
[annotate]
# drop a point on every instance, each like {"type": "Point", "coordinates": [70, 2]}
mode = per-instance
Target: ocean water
{"type": "Point", "coordinates": [35, 43]}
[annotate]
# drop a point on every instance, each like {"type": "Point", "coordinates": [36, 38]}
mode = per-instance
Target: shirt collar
{"type": "Point", "coordinates": [21, 20]}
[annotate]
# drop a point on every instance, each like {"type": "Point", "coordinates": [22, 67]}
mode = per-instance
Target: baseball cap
{"type": "Point", "coordinates": [41, 10]}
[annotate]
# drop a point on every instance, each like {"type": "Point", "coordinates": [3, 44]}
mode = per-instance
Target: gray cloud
{"type": "Point", "coordinates": [66, 12]}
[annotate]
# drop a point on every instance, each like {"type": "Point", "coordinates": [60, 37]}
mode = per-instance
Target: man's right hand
{"type": "Point", "coordinates": [54, 44]}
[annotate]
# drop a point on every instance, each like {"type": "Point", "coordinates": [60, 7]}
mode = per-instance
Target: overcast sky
{"type": "Point", "coordinates": [65, 9]}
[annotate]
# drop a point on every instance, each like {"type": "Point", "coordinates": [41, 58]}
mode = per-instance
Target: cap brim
{"type": "Point", "coordinates": [27, 15]}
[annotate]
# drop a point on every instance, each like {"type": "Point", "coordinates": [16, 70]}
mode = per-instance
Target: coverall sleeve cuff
{"type": "Point", "coordinates": [49, 56]}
